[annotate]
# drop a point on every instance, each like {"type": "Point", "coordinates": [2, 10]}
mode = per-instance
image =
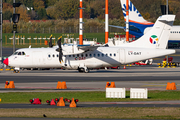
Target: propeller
{"type": "Point", "coordinates": [50, 42]}
{"type": "Point", "coordinates": [60, 49]}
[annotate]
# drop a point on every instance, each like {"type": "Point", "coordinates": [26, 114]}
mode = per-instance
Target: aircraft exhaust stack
{"type": "Point", "coordinates": [81, 23]}
{"type": "Point", "coordinates": [106, 22]}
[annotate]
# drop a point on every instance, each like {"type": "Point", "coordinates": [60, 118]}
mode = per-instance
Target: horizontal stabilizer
{"type": "Point", "coordinates": [117, 26]}
{"type": "Point", "coordinates": [86, 48]}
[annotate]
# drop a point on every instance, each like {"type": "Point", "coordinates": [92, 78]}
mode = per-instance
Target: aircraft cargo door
{"type": "Point", "coordinates": [37, 58]}
{"type": "Point", "coordinates": [122, 57]}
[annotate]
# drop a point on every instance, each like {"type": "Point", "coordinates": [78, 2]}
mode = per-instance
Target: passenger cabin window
{"type": "Point", "coordinates": [69, 55]}
{"type": "Point", "coordinates": [49, 56]}
{"type": "Point", "coordinates": [82, 55]}
{"type": "Point", "coordinates": [53, 55]}
{"type": "Point", "coordinates": [86, 55]}
{"type": "Point", "coordinates": [94, 55]}
{"type": "Point", "coordinates": [114, 54]}
{"type": "Point", "coordinates": [102, 55]}
{"type": "Point", "coordinates": [90, 55]}
{"type": "Point", "coordinates": [57, 55]}
{"type": "Point", "coordinates": [73, 55]}
{"type": "Point", "coordinates": [110, 54]}
{"type": "Point", "coordinates": [98, 55]}
{"type": "Point", "coordinates": [106, 55]}
{"type": "Point", "coordinates": [77, 55]}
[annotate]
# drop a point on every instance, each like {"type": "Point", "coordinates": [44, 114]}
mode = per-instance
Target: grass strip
{"type": "Point", "coordinates": [107, 113]}
{"type": "Point", "coordinates": [23, 97]}
{"type": "Point", "coordinates": [8, 43]}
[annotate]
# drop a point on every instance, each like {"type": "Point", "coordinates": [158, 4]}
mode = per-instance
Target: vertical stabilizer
{"type": "Point", "coordinates": [158, 36]}
{"type": "Point", "coordinates": [134, 15]}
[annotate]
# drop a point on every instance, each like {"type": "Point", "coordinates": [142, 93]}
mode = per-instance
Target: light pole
{"type": "Point", "coordinates": [14, 39]}
{"type": "Point", "coordinates": [167, 14]}
{"type": "Point", "coordinates": [167, 7]}
{"type": "Point", "coordinates": [1, 19]}
{"type": "Point", "coordinates": [15, 20]}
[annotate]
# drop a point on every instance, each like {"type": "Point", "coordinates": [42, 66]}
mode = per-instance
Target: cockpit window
{"type": "Point", "coordinates": [23, 53]}
{"type": "Point", "coordinates": [15, 53]}
{"type": "Point", "coordinates": [19, 53]}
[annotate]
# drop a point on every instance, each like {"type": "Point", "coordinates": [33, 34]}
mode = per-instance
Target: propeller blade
{"type": "Point", "coordinates": [50, 42]}
{"type": "Point", "coordinates": [60, 49]}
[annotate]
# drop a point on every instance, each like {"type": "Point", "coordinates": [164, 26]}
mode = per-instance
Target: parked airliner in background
{"type": "Point", "coordinates": [138, 26]}
{"type": "Point", "coordinates": [84, 57]}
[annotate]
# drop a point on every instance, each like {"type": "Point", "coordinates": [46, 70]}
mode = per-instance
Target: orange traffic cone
{"type": "Point", "coordinates": [168, 87]}
{"type": "Point", "coordinates": [173, 86]}
{"type": "Point", "coordinates": [63, 85]}
{"type": "Point", "coordinates": [61, 102]}
{"type": "Point", "coordinates": [108, 84]}
{"type": "Point", "coordinates": [72, 104]}
{"type": "Point", "coordinates": [11, 84]}
{"type": "Point", "coordinates": [7, 84]}
{"type": "Point", "coordinates": [112, 85]}
{"type": "Point", "coordinates": [59, 85]}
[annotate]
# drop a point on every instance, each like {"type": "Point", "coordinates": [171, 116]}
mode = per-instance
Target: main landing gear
{"type": "Point", "coordinates": [85, 70]}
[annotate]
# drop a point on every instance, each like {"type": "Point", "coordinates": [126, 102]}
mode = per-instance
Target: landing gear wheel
{"type": "Point", "coordinates": [86, 70]}
{"type": "Point", "coordinates": [16, 71]}
{"type": "Point", "coordinates": [80, 70]}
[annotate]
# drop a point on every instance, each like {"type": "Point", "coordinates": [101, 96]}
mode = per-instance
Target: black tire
{"type": "Point", "coordinates": [80, 70]}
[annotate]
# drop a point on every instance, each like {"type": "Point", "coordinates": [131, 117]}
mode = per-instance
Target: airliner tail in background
{"type": "Point", "coordinates": [136, 21]}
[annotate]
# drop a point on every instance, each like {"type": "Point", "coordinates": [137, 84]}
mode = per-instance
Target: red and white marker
{"type": "Point", "coordinates": [106, 22]}
{"type": "Point", "coordinates": [81, 23]}
{"type": "Point", "coordinates": [127, 20]}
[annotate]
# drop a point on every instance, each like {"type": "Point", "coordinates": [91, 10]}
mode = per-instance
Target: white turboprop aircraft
{"type": "Point", "coordinates": [152, 44]}
{"type": "Point", "coordinates": [139, 26]}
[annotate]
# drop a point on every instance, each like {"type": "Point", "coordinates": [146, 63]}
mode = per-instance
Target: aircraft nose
{"type": "Point", "coordinates": [6, 61]}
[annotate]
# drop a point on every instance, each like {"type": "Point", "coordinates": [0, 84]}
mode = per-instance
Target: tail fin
{"type": "Point", "coordinates": [134, 15]}
{"type": "Point", "coordinates": [158, 36]}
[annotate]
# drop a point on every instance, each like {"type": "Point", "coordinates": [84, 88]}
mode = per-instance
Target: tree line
{"type": "Point", "coordinates": [67, 10]}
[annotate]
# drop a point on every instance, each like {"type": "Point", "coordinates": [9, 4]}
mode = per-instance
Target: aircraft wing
{"type": "Point", "coordinates": [86, 48]}
{"type": "Point", "coordinates": [117, 26]}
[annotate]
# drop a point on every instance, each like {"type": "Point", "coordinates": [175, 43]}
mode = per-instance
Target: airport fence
{"type": "Point", "coordinates": [69, 29]}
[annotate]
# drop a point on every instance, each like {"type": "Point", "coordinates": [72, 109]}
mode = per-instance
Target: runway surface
{"type": "Point", "coordinates": [100, 104]}
{"type": "Point", "coordinates": [150, 77]}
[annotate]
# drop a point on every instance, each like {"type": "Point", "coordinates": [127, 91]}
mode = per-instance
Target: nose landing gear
{"type": "Point", "coordinates": [16, 70]}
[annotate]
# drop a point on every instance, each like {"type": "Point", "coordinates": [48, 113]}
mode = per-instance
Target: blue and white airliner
{"type": "Point", "coordinates": [138, 26]}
